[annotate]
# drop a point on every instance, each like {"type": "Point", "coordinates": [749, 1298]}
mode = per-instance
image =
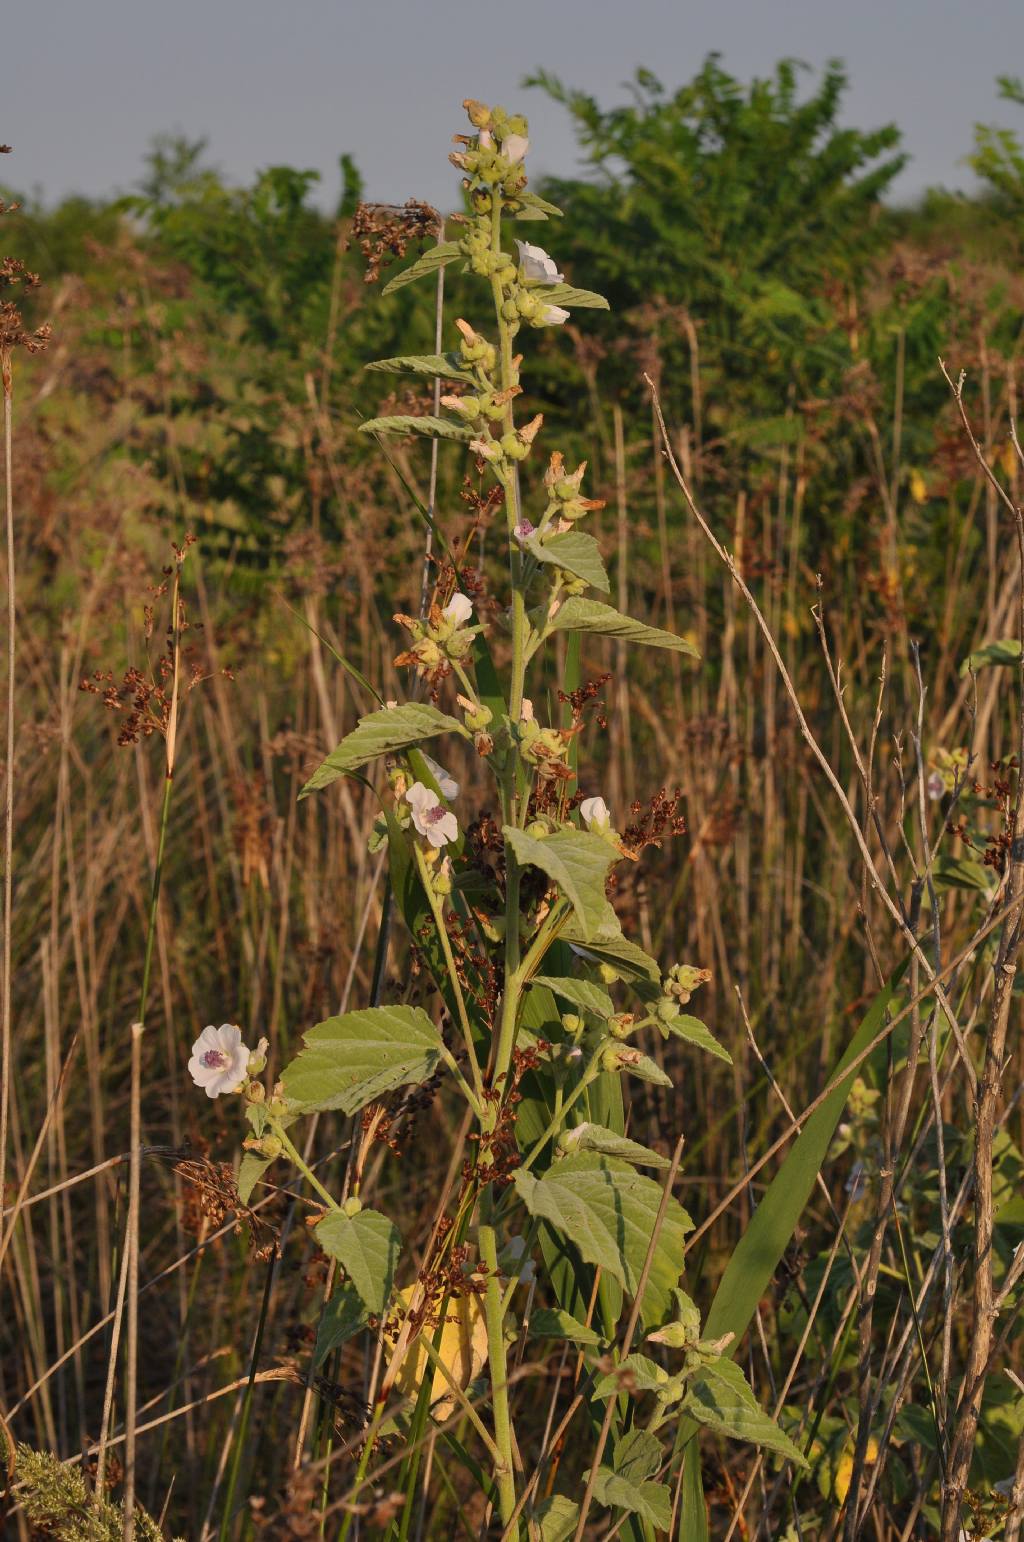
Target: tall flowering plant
{"type": "Point", "coordinates": [553, 1230]}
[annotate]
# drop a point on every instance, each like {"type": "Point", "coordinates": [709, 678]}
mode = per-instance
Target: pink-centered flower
{"type": "Point", "coordinates": [219, 1061]}
{"type": "Point", "coordinates": [430, 816]}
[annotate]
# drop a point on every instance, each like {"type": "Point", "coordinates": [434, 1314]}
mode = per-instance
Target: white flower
{"type": "Point", "coordinates": [485, 139]}
{"type": "Point", "coordinates": [536, 264]}
{"type": "Point", "coordinates": [515, 146]}
{"type": "Point", "coordinates": [459, 609]}
{"type": "Point", "coordinates": [444, 779]}
{"type": "Point", "coordinates": [391, 705]}
{"type": "Point", "coordinates": [430, 817]}
{"type": "Point", "coordinates": [526, 710]}
{"type": "Point", "coordinates": [595, 814]}
{"type": "Point", "coordinates": [936, 786]}
{"type": "Point", "coordinates": [523, 530]}
{"type": "Point", "coordinates": [553, 316]}
{"type": "Point", "coordinates": [220, 1061]}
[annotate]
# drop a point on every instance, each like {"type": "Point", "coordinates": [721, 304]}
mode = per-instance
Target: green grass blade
{"type": "Point", "coordinates": [760, 1249]}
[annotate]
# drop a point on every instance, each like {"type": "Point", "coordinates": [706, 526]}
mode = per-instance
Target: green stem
{"type": "Point", "coordinates": [495, 1320]}
{"type": "Point", "coordinates": [303, 1167]}
{"type": "Point", "coordinates": [449, 958]}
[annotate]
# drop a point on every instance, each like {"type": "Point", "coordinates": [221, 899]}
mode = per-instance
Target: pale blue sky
{"type": "Point", "coordinates": [86, 83]}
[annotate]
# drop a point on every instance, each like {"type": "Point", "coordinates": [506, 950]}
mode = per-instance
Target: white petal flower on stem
{"type": "Point", "coordinates": [536, 264]}
{"type": "Point", "coordinates": [485, 139]}
{"type": "Point", "coordinates": [459, 609]}
{"type": "Point", "coordinates": [430, 816]}
{"type": "Point", "coordinates": [526, 710]}
{"type": "Point", "coordinates": [523, 530]}
{"type": "Point", "coordinates": [444, 779]}
{"type": "Point", "coordinates": [595, 815]}
{"type": "Point", "coordinates": [553, 316]}
{"type": "Point", "coordinates": [220, 1061]}
{"type": "Point", "coordinates": [514, 147]}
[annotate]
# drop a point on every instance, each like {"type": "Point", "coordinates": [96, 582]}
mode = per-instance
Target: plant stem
{"type": "Point", "coordinates": [449, 958]}
{"type": "Point", "coordinates": [494, 1317]}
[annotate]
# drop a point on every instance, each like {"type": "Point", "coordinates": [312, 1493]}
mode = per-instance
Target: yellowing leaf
{"type": "Point", "coordinates": [844, 1467]}
{"type": "Point", "coordinates": [463, 1349]}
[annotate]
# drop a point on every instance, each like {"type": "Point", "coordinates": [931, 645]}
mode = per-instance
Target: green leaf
{"type": "Point", "coordinates": [719, 1398]}
{"type": "Point", "coordinates": [577, 861]}
{"type": "Point", "coordinates": [448, 365]}
{"type": "Point", "coordinates": [580, 615]}
{"type": "Point", "coordinates": [566, 294]}
{"type": "Point", "coordinates": [595, 1137]}
{"type": "Point", "coordinates": [637, 1455]}
{"type": "Point", "coordinates": [608, 1212]}
{"type": "Point", "coordinates": [557, 1324]}
{"type": "Point", "coordinates": [651, 1501]}
{"type": "Point", "coordinates": [429, 427]}
{"type": "Point", "coordinates": [609, 946]}
{"type": "Point", "coordinates": [636, 1373]}
{"type": "Point", "coordinates": [351, 1060]}
{"type": "Point", "coordinates": [344, 1316]}
{"type": "Point", "coordinates": [367, 1246]}
{"type": "Point", "coordinates": [382, 733]}
{"type": "Point", "coordinates": [581, 993]}
{"type": "Point", "coordinates": [437, 257]}
{"type": "Point", "coordinates": [534, 207]}
{"type": "Point", "coordinates": [573, 550]}
{"type": "Point", "coordinates": [250, 1171]}
{"type": "Point", "coordinates": [646, 1069]}
{"type": "Point", "coordinates": [1006, 651]}
{"type": "Point", "coordinates": [695, 1032]}
{"type": "Point", "coordinates": [556, 1518]}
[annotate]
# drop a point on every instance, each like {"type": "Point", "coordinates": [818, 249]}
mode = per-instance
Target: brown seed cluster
{"type": "Point", "coordinates": [385, 231]}
{"type": "Point", "coordinates": [15, 277]}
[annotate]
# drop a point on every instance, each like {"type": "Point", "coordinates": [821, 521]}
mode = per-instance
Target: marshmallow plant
{"type": "Point", "coordinates": [532, 1007]}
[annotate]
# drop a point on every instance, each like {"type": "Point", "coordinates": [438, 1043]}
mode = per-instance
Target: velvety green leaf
{"type": "Point", "coordinates": [719, 1398]}
{"type": "Point", "coordinates": [636, 1373]}
{"type": "Point", "coordinates": [250, 1171]}
{"type": "Point", "coordinates": [573, 550]}
{"type": "Point", "coordinates": [607, 945]}
{"type": "Point", "coordinates": [651, 1501]}
{"type": "Point", "coordinates": [448, 365]}
{"type": "Point", "coordinates": [637, 1455]}
{"type": "Point", "coordinates": [382, 733]}
{"type": "Point", "coordinates": [348, 1061]}
{"type": "Point", "coordinates": [343, 1318]}
{"type": "Point", "coordinates": [646, 1069]}
{"type": "Point", "coordinates": [608, 1212]}
{"type": "Point", "coordinates": [437, 257]}
{"type": "Point", "coordinates": [554, 1323]}
{"type": "Point", "coordinates": [581, 615]}
{"type": "Point", "coordinates": [566, 294]}
{"type": "Point", "coordinates": [695, 1032]}
{"type": "Point", "coordinates": [595, 1137]}
{"type": "Point", "coordinates": [1005, 651]}
{"type": "Point", "coordinates": [581, 993]}
{"type": "Point", "coordinates": [427, 426]}
{"type": "Point", "coordinates": [577, 861]}
{"type": "Point", "coordinates": [556, 1517]}
{"type": "Point", "coordinates": [535, 207]}
{"type": "Point", "coordinates": [367, 1246]}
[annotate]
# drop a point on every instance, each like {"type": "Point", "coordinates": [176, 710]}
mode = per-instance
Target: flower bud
{"type": "Point", "coordinates": [479, 113]}
{"type": "Point", "coordinates": [538, 829]}
{"type": "Point", "coordinates": [607, 974]}
{"type": "Point", "coordinates": [258, 1059]}
{"type": "Point", "coordinates": [352, 1206]}
{"type": "Point", "coordinates": [573, 1024]}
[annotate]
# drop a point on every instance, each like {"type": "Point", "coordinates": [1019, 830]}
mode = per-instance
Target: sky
{"type": "Point", "coordinates": [87, 83]}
